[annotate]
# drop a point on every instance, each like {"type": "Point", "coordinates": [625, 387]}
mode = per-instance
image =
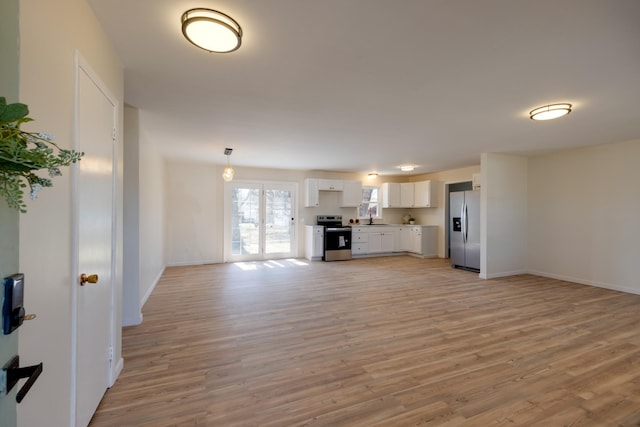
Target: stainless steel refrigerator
{"type": "Point", "coordinates": [464, 229]}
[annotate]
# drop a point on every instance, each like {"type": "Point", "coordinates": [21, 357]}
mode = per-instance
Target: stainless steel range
{"type": "Point", "coordinates": [337, 238]}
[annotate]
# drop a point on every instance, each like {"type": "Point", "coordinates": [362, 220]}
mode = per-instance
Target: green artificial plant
{"type": "Point", "coordinates": [24, 153]}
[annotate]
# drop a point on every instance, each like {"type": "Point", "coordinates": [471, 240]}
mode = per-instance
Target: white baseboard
{"type": "Point", "coordinates": [563, 278]}
{"type": "Point", "coordinates": [586, 282]}
{"type": "Point", "coordinates": [502, 274]}
{"type": "Point", "coordinates": [115, 372]}
{"type": "Point", "coordinates": [150, 290]}
{"type": "Point", "coordinates": [132, 320]}
{"type": "Point", "coordinates": [189, 263]}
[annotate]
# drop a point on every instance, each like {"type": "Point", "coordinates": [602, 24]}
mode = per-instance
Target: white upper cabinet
{"type": "Point", "coordinates": [397, 195]}
{"type": "Point", "coordinates": [407, 195]}
{"type": "Point", "coordinates": [312, 195]}
{"type": "Point", "coordinates": [390, 195]}
{"type": "Point", "coordinates": [476, 181]}
{"type": "Point", "coordinates": [421, 194]}
{"type": "Point", "coordinates": [330, 185]}
{"type": "Point", "coordinates": [425, 195]}
{"type": "Point", "coordinates": [351, 191]}
{"type": "Point", "coordinates": [351, 194]}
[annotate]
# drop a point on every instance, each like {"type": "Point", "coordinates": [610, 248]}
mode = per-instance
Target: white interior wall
{"type": "Point", "coordinates": [131, 302]}
{"type": "Point", "coordinates": [503, 218]}
{"type": "Point", "coordinates": [584, 207]}
{"type": "Point", "coordinates": [193, 210]}
{"type": "Point", "coordinates": [195, 207]}
{"type": "Point", "coordinates": [152, 222]}
{"type": "Point", "coordinates": [144, 229]}
{"type": "Point", "coordinates": [47, 85]}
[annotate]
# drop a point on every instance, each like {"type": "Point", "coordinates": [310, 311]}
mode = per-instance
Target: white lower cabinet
{"type": "Point", "coordinates": [359, 241]}
{"type": "Point", "coordinates": [387, 241]}
{"type": "Point", "coordinates": [424, 241]}
{"type": "Point", "coordinates": [381, 241]}
{"type": "Point", "coordinates": [404, 240]}
{"type": "Point", "coordinates": [314, 242]}
{"type": "Point", "coordinates": [420, 240]}
{"type": "Point", "coordinates": [416, 240]}
{"type": "Point", "coordinates": [359, 248]}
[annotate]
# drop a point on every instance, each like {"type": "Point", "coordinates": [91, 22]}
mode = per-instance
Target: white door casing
{"type": "Point", "coordinates": [94, 251]}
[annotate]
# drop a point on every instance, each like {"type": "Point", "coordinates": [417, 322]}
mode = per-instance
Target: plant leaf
{"type": "Point", "coordinates": [13, 112]}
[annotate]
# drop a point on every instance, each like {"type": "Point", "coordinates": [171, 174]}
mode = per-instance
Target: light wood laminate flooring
{"type": "Point", "coordinates": [390, 341]}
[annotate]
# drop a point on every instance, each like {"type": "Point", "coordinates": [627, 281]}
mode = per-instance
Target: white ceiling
{"type": "Point", "coordinates": [367, 85]}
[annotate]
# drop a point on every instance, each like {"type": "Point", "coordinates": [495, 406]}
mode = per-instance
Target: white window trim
{"type": "Point", "coordinates": [379, 216]}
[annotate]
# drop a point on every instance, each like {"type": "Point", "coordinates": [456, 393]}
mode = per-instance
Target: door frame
{"type": "Point", "coordinates": [81, 65]}
{"type": "Point", "coordinates": [264, 184]}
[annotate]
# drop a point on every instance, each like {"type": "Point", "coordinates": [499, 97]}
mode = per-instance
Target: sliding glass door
{"type": "Point", "coordinates": [260, 221]}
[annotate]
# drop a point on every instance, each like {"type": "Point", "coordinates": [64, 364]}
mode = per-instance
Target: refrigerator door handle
{"type": "Point", "coordinates": [463, 218]}
{"type": "Point", "coordinates": [466, 222]}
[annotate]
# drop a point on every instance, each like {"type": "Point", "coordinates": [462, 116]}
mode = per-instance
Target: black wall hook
{"type": "Point", "coordinates": [15, 373]}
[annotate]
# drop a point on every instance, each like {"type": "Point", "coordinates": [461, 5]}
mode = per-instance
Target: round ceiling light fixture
{"type": "Point", "coordinates": [407, 168]}
{"type": "Point", "coordinates": [551, 111]}
{"type": "Point", "coordinates": [211, 30]}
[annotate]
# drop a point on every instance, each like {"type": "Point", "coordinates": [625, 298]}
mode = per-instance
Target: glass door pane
{"type": "Point", "coordinates": [245, 222]}
{"type": "Point", "coordinates": [278, 222]}
{"type": "Point", "coordinates": [262, 221]}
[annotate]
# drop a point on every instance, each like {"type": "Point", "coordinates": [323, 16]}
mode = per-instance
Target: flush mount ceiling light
{"type": "Point", "coordinates": [373, 175]}
{"type": "Point", "coordinates": [227, 175]}
{"type": "Point", "coordinates": [551, 111]}
{"type": "Point", "coordinates": [407, 168]}
{"type": "Point", "coordinates": [211, 30]}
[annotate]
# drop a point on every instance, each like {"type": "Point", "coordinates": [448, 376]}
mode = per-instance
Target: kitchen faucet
{"type": "Point", "coordinates": [370, 218]}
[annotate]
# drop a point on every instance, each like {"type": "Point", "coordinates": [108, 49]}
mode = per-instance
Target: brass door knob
{"type": "Point", "coordinates": [84, 279]}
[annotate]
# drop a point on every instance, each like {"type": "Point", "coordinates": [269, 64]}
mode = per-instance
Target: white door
{"type": "Point", "coordinates": [261, 221]}
{"type": "Point", "coordinates": [96, 120]}
{"type": "Point", "coordinates": [279, 221]}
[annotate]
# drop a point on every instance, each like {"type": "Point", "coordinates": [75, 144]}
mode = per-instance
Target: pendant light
{"type": "Point", "coordinates": [227, 175]}
{"type": "Point", "coordinates": [211, 30]}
